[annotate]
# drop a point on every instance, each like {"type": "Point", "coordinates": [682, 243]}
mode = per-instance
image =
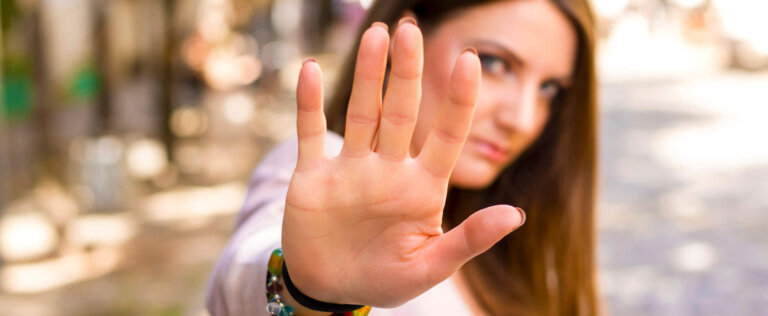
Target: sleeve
{"type": "Point", "coordinates": [237, 285]}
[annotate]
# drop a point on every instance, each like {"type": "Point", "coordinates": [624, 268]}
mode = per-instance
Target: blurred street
{"type": "Point", "coordinates": [684, 201]}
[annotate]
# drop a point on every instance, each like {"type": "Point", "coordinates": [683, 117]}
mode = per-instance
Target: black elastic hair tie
{"type": "Point", "coordinates": [311, 303]}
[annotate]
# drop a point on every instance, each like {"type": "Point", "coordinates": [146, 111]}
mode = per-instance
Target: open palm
{"type": "Point", "coordinates": [365, 227]}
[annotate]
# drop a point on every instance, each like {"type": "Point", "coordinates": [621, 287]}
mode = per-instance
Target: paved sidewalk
{"type": "Point", "coordinates": [684, 196]}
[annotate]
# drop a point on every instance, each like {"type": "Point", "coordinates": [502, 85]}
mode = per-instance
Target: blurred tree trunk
{"type": "Point", "coordinates": [166, 77]}
{"type": "Point", "coordinates": [51, 166]}
{"type": "Point", "coordinates": [3, 141]}
{"type": "Point", "coordinates": [102, 52]}
{"type": "Point", "coordinates": [317, 19]}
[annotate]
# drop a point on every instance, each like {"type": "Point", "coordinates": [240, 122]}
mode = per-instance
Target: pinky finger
{"type": "Point", "coordinates": [310, 119]}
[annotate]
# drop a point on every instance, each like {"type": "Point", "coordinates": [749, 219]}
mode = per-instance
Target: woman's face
{"type": "Point", "coordinates": [527, 50]}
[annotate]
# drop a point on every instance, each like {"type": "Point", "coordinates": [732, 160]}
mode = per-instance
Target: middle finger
{"type": "Point", "coordinates": [401, 102]}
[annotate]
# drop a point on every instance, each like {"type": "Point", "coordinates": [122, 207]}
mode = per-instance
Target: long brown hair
{"type": "Point", "coordinates": [548, 266]}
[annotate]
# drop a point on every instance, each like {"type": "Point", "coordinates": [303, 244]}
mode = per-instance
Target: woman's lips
{"type": "Point", "coordinates": [490, 151]}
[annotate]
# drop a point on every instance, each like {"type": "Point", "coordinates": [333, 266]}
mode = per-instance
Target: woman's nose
{"type": "Point", "coordinates": [517, 109]}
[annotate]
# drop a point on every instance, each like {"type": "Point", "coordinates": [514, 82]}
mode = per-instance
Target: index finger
{"type": "Point", "coordinates": [449, 132]}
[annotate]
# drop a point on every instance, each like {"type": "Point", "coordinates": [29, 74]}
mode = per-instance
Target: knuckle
{"type": "Point", "coordinates": [399, 119]}
{"type": "Point", "coordinates": [362, 119]}
{"type": "Point", "coordinates": [406, 71]}
{"type": "Point", "coordinates": [305, 133]}
{"type": "Point", "coordinates": [448, 136]}
{"type": "Point", "coordinates": [309, 107]}
{"type": "Point", "coordinates": [435, 171]}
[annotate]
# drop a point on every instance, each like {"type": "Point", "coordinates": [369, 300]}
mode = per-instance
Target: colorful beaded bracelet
{"type": "Point", "coordinates": [275, 281]}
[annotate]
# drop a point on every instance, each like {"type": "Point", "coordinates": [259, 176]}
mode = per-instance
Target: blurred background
{"type": "Point", "coordinates": [129, 127]}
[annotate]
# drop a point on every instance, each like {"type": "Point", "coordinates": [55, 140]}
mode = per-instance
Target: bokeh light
{"type": "Point", "coordinates": [238, 108]}
{"type": "Point", "coordinates": [189, 122]}
{"type": "Point", "coordinates": [26, 236]}
{"type": "Point", "coordinates": [146, 158]}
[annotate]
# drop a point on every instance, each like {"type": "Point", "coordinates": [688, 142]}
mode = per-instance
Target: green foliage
{"type": "Point", "coordinates": [9, 11]}
{"type": "Point", "coordinates": [17, 89]}
{"type": "Point", "coordinates": [85, 83]}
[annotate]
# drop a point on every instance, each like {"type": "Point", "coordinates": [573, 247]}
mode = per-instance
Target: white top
{"type": "Point", "coordinates": [237, 286]}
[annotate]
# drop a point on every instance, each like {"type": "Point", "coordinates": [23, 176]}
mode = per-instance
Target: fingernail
{"type": "Point", "coordinates": [407, 19]}
{"type": "Point", "coordinates": [522, 215]}
{"type": "Point", "coordinates": [469, 49]}
{"type": "Point", "coordinates": [308, 60]}
{"type": "Point", "coordinates": [381, 25]}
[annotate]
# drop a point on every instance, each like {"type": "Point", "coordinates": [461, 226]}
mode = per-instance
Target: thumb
{"type": "Point", "coordinates": [475, 235]}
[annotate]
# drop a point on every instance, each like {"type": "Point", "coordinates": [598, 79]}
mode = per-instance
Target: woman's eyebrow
{"type": "Point", "coordinates": [506, 51]}
{"type": "Point", "coordinates": [510, 54]}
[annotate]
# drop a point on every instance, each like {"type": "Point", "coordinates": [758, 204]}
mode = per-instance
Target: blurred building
{"type": "Point", "coordinates": [124, 121]}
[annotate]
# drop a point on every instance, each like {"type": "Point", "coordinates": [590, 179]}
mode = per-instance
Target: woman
{"type": "Point", "coordinates": [366, 226]}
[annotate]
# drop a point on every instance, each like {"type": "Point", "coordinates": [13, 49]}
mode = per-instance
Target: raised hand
{"type": "Point", "coordinates": [365, 227]}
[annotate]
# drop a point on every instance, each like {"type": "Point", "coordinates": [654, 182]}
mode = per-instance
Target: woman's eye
{"type": "Point", "coordinates": [493, 65]}
{"type": "Point", "coordinates": [549, 90]}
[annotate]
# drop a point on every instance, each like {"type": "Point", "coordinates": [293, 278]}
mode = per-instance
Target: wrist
{"type": "Point", "coordinates": [312, 303]}
{"type": "Point", "coordinates": [284, 299]}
